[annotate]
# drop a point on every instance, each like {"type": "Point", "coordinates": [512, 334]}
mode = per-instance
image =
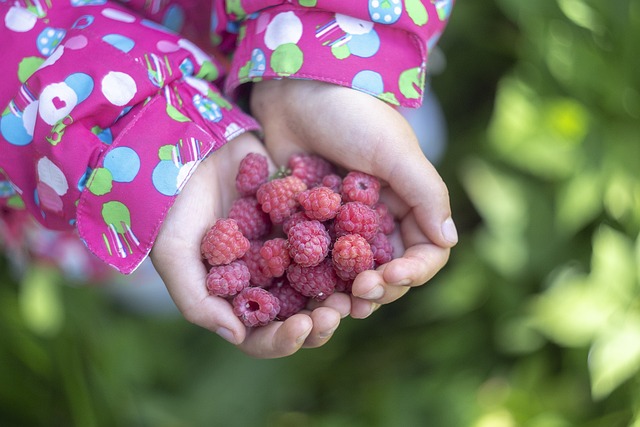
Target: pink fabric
{"type": "Point", "coordinates": [106, 113]}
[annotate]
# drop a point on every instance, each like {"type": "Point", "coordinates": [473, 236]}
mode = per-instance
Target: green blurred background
{"type": "Point", "coordinates": [535, 322]}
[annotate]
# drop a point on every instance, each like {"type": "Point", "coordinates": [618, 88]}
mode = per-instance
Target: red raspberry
{"type": "Point", "coordinates": [351, 255]}
{"type": "Point", "coordinates": [308, 243]}
{"type": "Point", "coordinates": [332, 181]}
{"type": "Point", "coordinates": [229, 279]}
{"type": "Point", "coordinates": [381, 248]}
{"type": "Point", "coordinates": [316, 282]}
{"type": "Point", "coordinates": [224, 242]}
{"type": "Point", "coordinates": [252, 172]}
{"type": "Point", "coordinates": [356, 218]}
{"type": "Point", "coordinates": [291, 301]}
{"type": "Point", "coordinates": [276, 257]}
{"type": "Point", "coordinates": [257, 265]}
{"type": "Point", "coordinates": [360, 187]}
{"type": "Point", "coordinates": [278, 197]}
{"type": "Point", "coordinates": [310, 168]}
{"type": "Point", "coordinates": [256, 306]}
{"type": "Point", "coordinates": [295, 218]}
{"type": "Point", "coordinates": [320, 203]}
{"type": "Point", "coordinates": [252, 221]}
{"type": "Point", "coordinates": [386, 222]}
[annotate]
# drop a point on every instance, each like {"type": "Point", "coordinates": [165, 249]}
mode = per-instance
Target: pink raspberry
{"type": "Point", "coordinates": [356, 218]}
{"type": "Point", "coordinates": [381, 248]}
{"type": "Point", "coordinates": [224, 242]}
{"type": "Point", "coordinates": [256, 306]}
{"type": "Point", "coordinates": [310, 168]}
{"type": "Point", "coordinates": [276, 257]}
{"type": "Point", "coordinates": [351, 255]}
{"type": "Point", "coordinates": [292, 220]}
{"type": "Point", "coordinates": [360, 187]}
{"type": "Point", "coordinates": [228, 279]}
{"type": "Point", "coordinates": [257, 265]}
{"type": "Point", "coordinates": [252, 172]}
{"type": "Point", "coordinates": [252, 221]}
{"type": "Point", "coordinates": [308, 243]}
{"type": "Point", "coordinates": [333, 181]}
{"type": "Point", "coordinates": [291, 301]}
{"type": "Point", "coordinates": [278, 197]}
{"type": "Point", "coordinates": [386, 222]}
{"type": "Point", "coordinates": [320, 203]}
{"type": "Point", "coordinates": [316, 282]}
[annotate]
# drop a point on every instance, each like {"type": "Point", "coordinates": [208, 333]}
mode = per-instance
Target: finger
{"type": "Point", "coordinates": [338, 301]}
{"type": "Point", "coordinates": [370, 286]}
{"type": "Point", "coordinates": [185, 278]}
{"type": "Point", "coordinates": [325, 323]}
{"type": "Point", "coordinates": [278, 339]}
{"type": "Point", "coordinates": [420, 186]}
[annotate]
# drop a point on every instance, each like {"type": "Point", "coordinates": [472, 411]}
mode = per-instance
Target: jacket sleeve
{"type": "Point", "coordinates": [105, 116]}
{"type": "Point", "coordinates": [379, 47]}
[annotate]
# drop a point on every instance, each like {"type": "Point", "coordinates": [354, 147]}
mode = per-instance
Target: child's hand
{"type": "Point", "coordinates": [176, 256]}
{"type": "Point", "coordinates": [359, 132]}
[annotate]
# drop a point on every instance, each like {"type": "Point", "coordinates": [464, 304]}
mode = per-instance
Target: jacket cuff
{"type": "Point", "coordinates": [386, 61]}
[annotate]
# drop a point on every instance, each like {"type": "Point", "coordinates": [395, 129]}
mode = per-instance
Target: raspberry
{"type": "Point", "coordinates": [276, 257]}
{"type": "Point", "coordinates": [356, 218]}
{"type": "Point", "coordinates": [386, 222]}
{"type": "Point", "coordinates": [308, 243]}
{"type": "Point", "coordinates": [257, 265]}
{"type": "Point", "coordinates": [320, 203]}
{"type": "Point", "coordinates": [256, 306]}
{"type": "Point", "coordinates": [310, 168]}
{"type": "Point", "coordinates": [278, 197]}
{"type": "Point", "coordinates": [344, 286]}
{"type": "Point", "coordinates": [332, 181]}
{"type": "Point", "coordinates": [291, 301]}
{"type": "Point", "coordinates": [381, 248]}
{"type": "Point", "coordinates": [292, 220]}
{"type": "Point", "coordinates": [252, 221]}
{"type": "Point", "coordinates": [229, 279]}
{"type": "Point", "coordinates": [224, 242]}
{"type": "Point", "coordinates": [360, 187]}
{"type": "Point", "coordinates": [316, 282]}
{"type": "Point", "coordinates": [252, 172]}
{"type": "Point", "coordinates": [351, 255]}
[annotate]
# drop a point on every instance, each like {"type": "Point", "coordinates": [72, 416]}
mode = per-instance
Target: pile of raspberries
{"type": "Point", "coordinates": [302, 234]}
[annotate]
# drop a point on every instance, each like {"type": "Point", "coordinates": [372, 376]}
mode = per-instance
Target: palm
{"type": "Point", "coordinates": [176, 256]}
{"type": "Point", "coordinates": [357, 131]}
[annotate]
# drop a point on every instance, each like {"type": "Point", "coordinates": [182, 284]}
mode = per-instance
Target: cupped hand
{"type": "Point", "coordinates": [176, 255]}
{"type": "Point", "coordinates": [359, 132]}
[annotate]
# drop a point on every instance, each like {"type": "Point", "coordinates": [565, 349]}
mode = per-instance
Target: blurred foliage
{"type": "Point", "coordinates": [535, 322]}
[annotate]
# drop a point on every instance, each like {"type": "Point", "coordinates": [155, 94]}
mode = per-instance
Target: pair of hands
{"type": "Point", "coordinates": [351, 129]}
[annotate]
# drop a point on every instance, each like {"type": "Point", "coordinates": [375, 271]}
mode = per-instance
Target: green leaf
{"type": "Point", "coordinates": [40, 302]}
{"type": "Point", "coordinates": [615, 356]}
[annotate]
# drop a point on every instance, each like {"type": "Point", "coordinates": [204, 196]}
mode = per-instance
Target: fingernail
{"type": "Point", "coordinates": [328, 333]}
{"type": "Point", "coordinates": [226, 334]}
{"type": "Point", "coordinates": [449, 231]}
{"type": "Point", "coordinates": [403, 282]}
{"type": "Point", "coordinates": [375, 293]}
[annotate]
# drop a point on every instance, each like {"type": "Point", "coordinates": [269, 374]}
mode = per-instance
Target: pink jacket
{"type": "Point", "coordinates": [109, 107]}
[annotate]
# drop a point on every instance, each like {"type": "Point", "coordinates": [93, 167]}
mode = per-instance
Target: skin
{"type": "Point", "coordinates": [359, 132]}
{"type": "Point", "coordinates": [351, 129]}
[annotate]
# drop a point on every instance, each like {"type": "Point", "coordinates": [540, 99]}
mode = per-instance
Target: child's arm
{"type": "Point", "coordinates": [106, 118]}
{"type": "Point", "coordinates": [357, 131]}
